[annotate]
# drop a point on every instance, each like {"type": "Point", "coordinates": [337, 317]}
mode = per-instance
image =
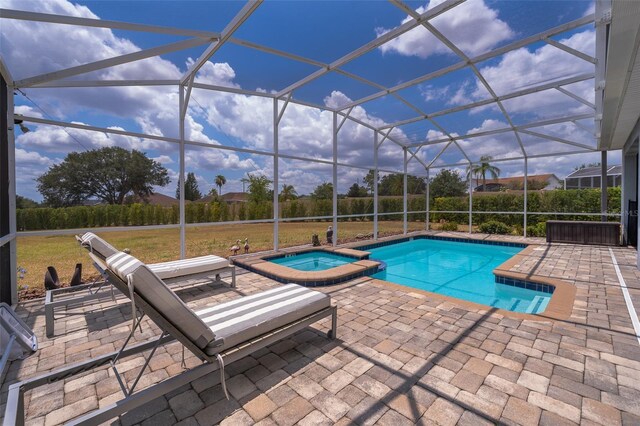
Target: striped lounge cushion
{"type": "Point", "coordinates": [251, 316]}
{"type": "Point", "coordinates": [97, 245]}
{"type": "Point", "coordinates": [184, 267]}
{"type": "Point", "coordinates": [156, 293]}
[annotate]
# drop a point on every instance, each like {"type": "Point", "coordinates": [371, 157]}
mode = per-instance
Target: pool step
{"type": "Point", "coordinates": [536, 303]}
{"type": "Point", "coordinates": [514, 304]}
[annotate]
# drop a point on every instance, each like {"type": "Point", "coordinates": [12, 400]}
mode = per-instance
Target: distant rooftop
{"type": "Point", "coordinates": [596, 172]}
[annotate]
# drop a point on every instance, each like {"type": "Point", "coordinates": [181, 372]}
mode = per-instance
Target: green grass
{"type": "Point", "coordinates": [158, 245]}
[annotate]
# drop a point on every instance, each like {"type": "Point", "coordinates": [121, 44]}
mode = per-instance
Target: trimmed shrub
{"type": "Point", "coordinates": [449, 226]}
{"type": "Point", "coordinates": [561, 201]}
{"type": "Point", "coordinates": [494, 227]}
{"type": "Point", "coordinates": [537, 230]}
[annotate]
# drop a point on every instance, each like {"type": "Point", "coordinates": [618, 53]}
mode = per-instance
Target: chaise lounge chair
{"type": "Point", "coordinates": [217, 335]}
{"type": "Point", "coordinates": [176, 272]}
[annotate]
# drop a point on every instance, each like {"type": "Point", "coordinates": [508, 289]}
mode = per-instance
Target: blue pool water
{"type": "Point", "coordinates": [457, 269]}
{"type": "Point", "coordinates": [313, 261]}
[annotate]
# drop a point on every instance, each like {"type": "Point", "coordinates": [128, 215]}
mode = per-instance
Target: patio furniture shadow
{"type": "Point", "coordinates": [410, 380]}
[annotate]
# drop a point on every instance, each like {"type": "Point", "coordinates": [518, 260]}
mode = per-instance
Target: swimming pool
{"type": "Point", "coordinates": [458, 269]}
{"type": "Point", "coordinates": [312, 261]}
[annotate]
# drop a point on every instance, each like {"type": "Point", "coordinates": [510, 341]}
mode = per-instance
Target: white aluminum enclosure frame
{"type": "Point", "coordinates": [283, 98]}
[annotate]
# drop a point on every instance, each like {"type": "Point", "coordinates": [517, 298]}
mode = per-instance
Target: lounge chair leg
{"type": "Point", "coordinates": [49, 319]}
{"type": "Point", "coordinates": [333, 333]}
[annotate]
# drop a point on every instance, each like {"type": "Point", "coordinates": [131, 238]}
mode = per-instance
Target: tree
{"type": "Point", "coordinates": [25, 203]}
{"type": "Point", "coordinates": [584, 166]}
{"type": "Point", "coordinates": [213, 193]}
{"type": "Point", "coordinates": [357, 191]}
{"type": "Point", "coordinates": [482, 168]}
{"type": "Point", "coordinates": [288, 193]}
{"type": "Point", "coordinates": [393, 184]}
{"type": "Point", "coordinates": [259, 190]}
{"type": "Point", "coordinates": [191, 190]}
{"type": "Point", "coordinates": [108, 174]}
{"type": "Point", "coordinates": [324, 191]}
{"type": "Point", "coordinates": [447, 183]}
{"type": "Point", "coordinates": [244, 181]}
{"type": "Point", "coordinates": [368, 180]}
{"type": "Point", "coordinates": [220, 182]}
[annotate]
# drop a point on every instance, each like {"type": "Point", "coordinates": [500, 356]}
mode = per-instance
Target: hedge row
{"type": "Point", "coordinates": [32, 219]}
{"type": "Point", "coordinates": [558, 201]}
{"type": "Point", "coordinates": [583, 201]}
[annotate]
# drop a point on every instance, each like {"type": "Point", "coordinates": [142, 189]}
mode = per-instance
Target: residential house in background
{"type": "Point", "coordinates": [589, 177]}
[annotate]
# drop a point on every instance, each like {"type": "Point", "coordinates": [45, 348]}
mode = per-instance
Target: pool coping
{"type": "Point", "coordinates": [263, 265]}
{"type": "Point", "coordinates": [560, 306]}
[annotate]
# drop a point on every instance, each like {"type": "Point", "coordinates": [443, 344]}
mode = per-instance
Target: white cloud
{"type": "Point", "coordinates": [61, 140]}
{"type": "Point", "coordinates": [163, 159]}
{"type": "Point", "coordinates": [523, 68]}
{"type": "Point", "coordinates": [472, 26]}
{"type": "Point", "coordinates": [29, 166]}
{"type": "Point", "coordinates": [220, 74]}
{"type": "Point", "coordinates": [237, 119]}
{"type": "Point", "coordinates": [27, 110]}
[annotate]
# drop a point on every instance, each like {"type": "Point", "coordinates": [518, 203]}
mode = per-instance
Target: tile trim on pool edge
{"type": "Point", "coordinates": [560, 306]}
{"type": "Point", "coordinates": [358, 268]}
{"type": "Point", "coordinates": [369, 246]}
{"type": "Point", "coordinates": [317, 250]}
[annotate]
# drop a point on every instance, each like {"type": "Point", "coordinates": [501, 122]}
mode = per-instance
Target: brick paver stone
{"type": "Point", "coordinates": [293, 411]}
{"type": "Point", "coordinates": [443, 412]}
{"type": "Point", "coordinates": [336, 381]}
{"type": "Point", "coordinates": [315, 418]}
{"type": "Point", "coordinates": [522, 413]}
{"type": "Point", "coordinates": [600, 413]}
{"type": "Point", "coordinates": [260, 407]}
{"type": "Point", "coordinates": [533, 381]}
{"type": "Point", "coordinates": [185, 404]}
{"type": "Point", "coordinates": [558, 407]}
{"type": "Point", "coordinates": [330, 405]}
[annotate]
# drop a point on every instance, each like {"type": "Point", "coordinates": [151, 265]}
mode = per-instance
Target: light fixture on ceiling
{"type": "Point", "coordinates": [24, 128]}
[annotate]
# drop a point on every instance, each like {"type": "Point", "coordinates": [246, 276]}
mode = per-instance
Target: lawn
{"type": "Point", "coordinates": [157, 245]}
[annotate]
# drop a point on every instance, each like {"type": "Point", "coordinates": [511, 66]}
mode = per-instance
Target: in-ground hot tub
{"type": "Point", "coordinates": [315, 267]}
{"type": "Point", "coordinates": [315, 260]}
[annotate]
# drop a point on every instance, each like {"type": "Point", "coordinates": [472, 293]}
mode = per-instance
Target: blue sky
{"type": "Point", "coordinates": [320, 31]}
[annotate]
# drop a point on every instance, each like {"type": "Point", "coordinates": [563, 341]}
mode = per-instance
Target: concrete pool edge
{"type": "Point", "coordinates": [361, 266]}
{"type": "Point", "coordinates": [560, 306]}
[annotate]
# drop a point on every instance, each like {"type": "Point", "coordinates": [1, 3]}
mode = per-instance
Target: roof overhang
{"type": "Point", "coordinates": [621, 97]}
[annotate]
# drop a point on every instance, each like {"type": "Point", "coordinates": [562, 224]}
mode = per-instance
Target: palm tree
{"type": "Point", "coordinates": [288, 193]}
{"type": "Point", "coordinates": [481, 169]}
{"type": "Point", "coordinates": [220, 181]}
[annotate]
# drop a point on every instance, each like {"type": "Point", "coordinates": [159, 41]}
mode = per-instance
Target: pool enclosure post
{"type": "Point", "coordinates": [471, 198]}
{"type": "Point", "coordinates": [8, 253]}
{"type": "Point", "coordinates": [603, 185]}
{"type": "Point", "coordinates": [276, 210]}
{"type": "Point", "coordinates": [427, 195]}
{"type": "Point", "coordinates": [404, 192]}
{"type": "Point", "coordinates": [525, 207]}
{"type": "Point", "coordinates": [182, 111]}
{"type": "Point", "coordinates": [375, 185]}
{"type": "Point", "coordinates": [335, 178]}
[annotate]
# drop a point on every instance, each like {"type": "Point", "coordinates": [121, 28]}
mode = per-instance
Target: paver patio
{"type": "Point", "coordinates": [401, 357]}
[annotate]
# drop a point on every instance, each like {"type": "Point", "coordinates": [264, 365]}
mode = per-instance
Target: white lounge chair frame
{"type": "Point", "coordinates": [23, 335]}
{"type": "Point", "coordinates": [62, 297]}
{"type": "Point", "coordinates": [15, 414]}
